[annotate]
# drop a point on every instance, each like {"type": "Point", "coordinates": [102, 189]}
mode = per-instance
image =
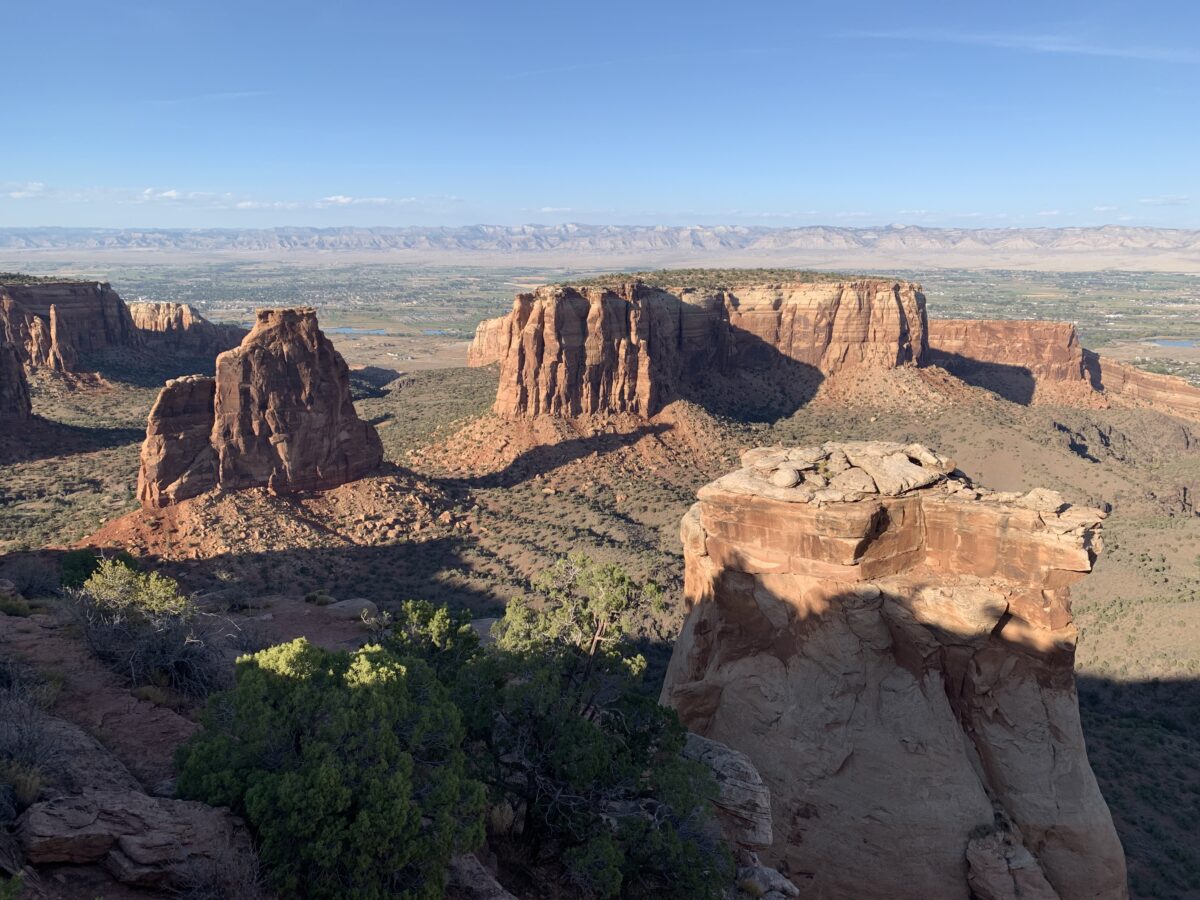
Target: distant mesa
{"type": "Point", "coordinates": [180, 328]}
{"type": "Point", "coordinates": [892, 648]}
{"type": "Point", "coordinates": [14, 388]}
{"type": "Point", "coordinates": [1028, 361]}
{"type": "Point", "coordinates": [52, 322]}
{"type": "Point", "coordinates": [634, 347]}
{"type": "Point", "coordinates": [278, 415]}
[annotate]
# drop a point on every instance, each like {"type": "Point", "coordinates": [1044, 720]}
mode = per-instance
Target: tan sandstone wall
{"type": "Point", "coordinates": [632, 348]}
{"type": "Point", "coordinates": [178, 327]}
{"type": "Point", "coordinates": [892, 647]}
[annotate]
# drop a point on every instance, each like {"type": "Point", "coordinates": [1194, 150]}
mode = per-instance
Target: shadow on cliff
{"type": "Point", "coordinates": [1014, 383]}
{"type": "Point", "coordinates": [746, 379]}
{"type": "Point", "coordinates": [41, 438]}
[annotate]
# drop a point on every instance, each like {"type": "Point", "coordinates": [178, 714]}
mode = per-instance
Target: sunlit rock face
{"type": "Point", "coordinates": [179, 328]}
{"type": "Point", "coordinates": [488, 345]}
{"type": "Point", "coordinates": [892, 647]}
{"type": "Point", "coordinates": [178, 460]}
{"type": "Point", "coordinates": [632, 348]}
{"type": "Point", "coordinates": [1046, 350]}
{"type": "Point", "coordinates": [52, 323]}
{"type": "Point", "coordinates": [278, 414]}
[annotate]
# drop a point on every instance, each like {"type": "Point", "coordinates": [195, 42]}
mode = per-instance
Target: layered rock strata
{"type": "Point", "coordinates": [892, 647]}
{"type": "Point", "coordinates": [1165, 393]}
{"type": "Point", "coordinates": [14, 388]}
{"type": "Point", "coordinates": [1024, 360]}
{"type": "Point", "coordinates": [51, 323]}
{"type": "Point", "coordinates": [1045, 350]}
{"type": "Point", "coordinates": [178, 458]}
{"type": "Point", "coordinates": [278, 414]}
{"type": "Point", "coordinates": [632, 348]}
{"type": "Point", "coordinates": [180, 328]}
{"type": "Point", "coordinates": [489, 343]}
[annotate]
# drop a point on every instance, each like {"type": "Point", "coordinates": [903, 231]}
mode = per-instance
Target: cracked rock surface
{"type": "Point", "coordinates": [892, 648]}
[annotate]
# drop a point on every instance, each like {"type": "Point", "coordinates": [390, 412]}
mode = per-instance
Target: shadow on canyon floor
{"type": "Point", "coordinates": [42, 438]}
{"type": "Point", "coordinates": [545, 458]}
{"type": "Point", "coordinates": [1014, 383]}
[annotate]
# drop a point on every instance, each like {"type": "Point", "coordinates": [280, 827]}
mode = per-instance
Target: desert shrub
{"type": "Point", "coordinates": [27, 746]}
{"type": "Point", "coordinates": [347, 766]}
{"type": "Point", "coordinates": [570, 740]}
{"type": "Point", "coordinates": [15, 606]}
{"type": "Point", "coordinates": [80, 565]}
{"type": "Point", "coordinates": [143, 628]}
{"type": "Point", "coordinates": [31, 577]}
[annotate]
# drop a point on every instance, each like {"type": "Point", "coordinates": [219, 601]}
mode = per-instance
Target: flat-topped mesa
{"type": "Point", "coordinates": [1166, 393]}
{"type": "Point", "coordinates": [1045, 350]}
{"type": "Point", "coordinates": [51, 323]}
{"type": "Point", "coordinates": [892, 647]}
{"type": "Point", "coordinates": [634, 347]}
{"type": "Point", "coordinates": [278, 414]}
{"type": "Point", "coordinates": [1028, 360]}
{"type": "Point", "coordinates": [14, 389]}
{"type": "Point", "coordinates": [180, 328]}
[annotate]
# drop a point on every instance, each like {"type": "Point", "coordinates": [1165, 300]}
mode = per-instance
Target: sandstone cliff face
{"type": "Point", "coordinates": [1048, 350]}
{"type": "Point", "coordinates": [51, 323]}
{"type": "Point", "coordinates": [1026, 360]}
{"type": "Point", "coordinates": [278, 415]}
{"type": "Point", "coordinates": [489, 344]}
{"type": "Point", "coordinates": [1165, 393]}
{"type": "Point", "coordinates": [632, 348]}
{"type": "Point", "coordinates": [178, 327]}
{"type": "Point", "coordinates": [893, 649]}
{"type": "Point", "coordinates": [178, 458]}
{"type": "Point", "coordinates": [14, 389]}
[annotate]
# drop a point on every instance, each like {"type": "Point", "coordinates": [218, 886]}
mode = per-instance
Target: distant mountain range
{"type": "Point", "coordinates": [1110, 245]}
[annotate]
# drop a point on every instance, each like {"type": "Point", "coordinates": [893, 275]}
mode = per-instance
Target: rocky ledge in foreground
{"type": "Point", "coordinates": [278, 415]}
{"type": "Point", "coordinates": [892, 647]}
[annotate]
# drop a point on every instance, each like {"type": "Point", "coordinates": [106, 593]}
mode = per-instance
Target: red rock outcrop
{"type": "Point", "coordinates": [283, 413]}
{"type": "Point", "coordinates": [488, 344]}
{"type": "Point", "coordinates": [632, 348]}
{"type": "Point", "coordinates": [178, 327]}
{"type": "Point", "coordinates": [14, 389]}
{"type": "Point", "coordinates": [178, 459]}
{"type": "Point", "coordinates": [53, 322]}
{"type": "Point", "coordinates": [278, 414]}
{"type": "Point", "coordinates": [1165, 393]}
{"type": "Point", "coordinates": [1047, 350]}
{"type": "Point", "coordinates": [1028, 361]}
{"type": "Point", "coordinates": [892, 647]}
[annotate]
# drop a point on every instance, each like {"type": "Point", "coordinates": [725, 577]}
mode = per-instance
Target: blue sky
{"type": "Point", "coordinates": [256, 113]}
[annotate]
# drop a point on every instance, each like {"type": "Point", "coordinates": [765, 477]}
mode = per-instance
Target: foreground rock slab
{"type": "Point", "coordinates": [141, 840]}
{"type": "Point", "coordinates": [893, 651]}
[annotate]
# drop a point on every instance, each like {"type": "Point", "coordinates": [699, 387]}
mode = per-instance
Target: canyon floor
{"type": "Point", "coordinates": [469, 506]}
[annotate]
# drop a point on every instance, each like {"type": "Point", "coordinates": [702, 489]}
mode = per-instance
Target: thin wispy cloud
{"type": "Point", "coordinates": [1050, 213]}
{"type": "Point", "coordinates": [1105, 208]}
{"type": "Point", "coordinates": [1062, 44]}
{"type": "Point", "coordinates": [1167, 200]}
{"type": "Point", "coordinates": [23, 190]}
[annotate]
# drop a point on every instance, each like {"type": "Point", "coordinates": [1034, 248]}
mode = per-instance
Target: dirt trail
{"type": "Point", "coordinates": [140, 734]}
